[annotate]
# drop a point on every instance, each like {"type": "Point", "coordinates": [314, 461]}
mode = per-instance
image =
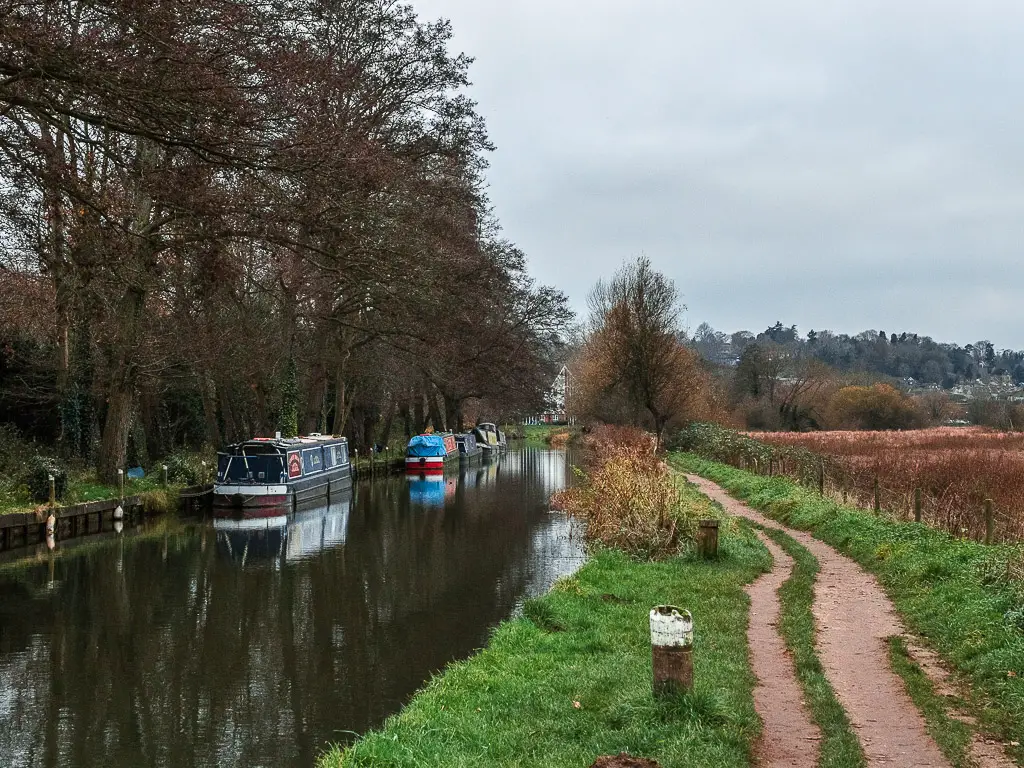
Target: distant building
{"type": "Point", "coordinates": [558, 401]}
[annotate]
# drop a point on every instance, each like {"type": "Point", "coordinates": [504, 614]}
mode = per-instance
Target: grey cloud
{"type": "Point", "coordinates": [840, 165]}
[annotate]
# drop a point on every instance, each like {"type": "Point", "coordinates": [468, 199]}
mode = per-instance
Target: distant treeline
{"type": "Point", "coordinates": [902, 356]}
{"type": "Point", "coordinates": [223, 218]}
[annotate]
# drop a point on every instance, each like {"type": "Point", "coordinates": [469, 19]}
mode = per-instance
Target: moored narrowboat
{"type": "Point", "coordinates": [261, 476]}
{"type": "Point", "coordinates": [428, 453]}
{"type": "Point", "coordinates": [469, 448]}
{"type": "Point", "coordinates": [490, 438]}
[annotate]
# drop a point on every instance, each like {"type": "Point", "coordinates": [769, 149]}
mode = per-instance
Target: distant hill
{"type": "Point", "coordinates": [917, 360]}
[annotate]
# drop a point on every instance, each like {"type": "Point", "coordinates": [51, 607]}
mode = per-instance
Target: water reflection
{"type": "Point", "coordinates": [227, 645]}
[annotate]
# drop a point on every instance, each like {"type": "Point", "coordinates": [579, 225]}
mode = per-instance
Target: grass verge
{"type": "Point", "coordinates": [840, 747]}
{"type": "Point", "coordinates": [943, 587]}
{"type": "Point", "coordinates": [571, 680]}
{"type": "Point", "coordinates": [952, 735]}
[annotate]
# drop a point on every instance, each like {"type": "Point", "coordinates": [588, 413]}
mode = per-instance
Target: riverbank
{"type": "Point", "coordinates": [955, 594]}
{"type": "Point", "coordinates": [571, 679]}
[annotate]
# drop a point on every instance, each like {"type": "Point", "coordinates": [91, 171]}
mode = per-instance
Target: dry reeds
{"type": "Point", "coordinates": [629, 499]}
{"type": "Point", "coordinates": [957, 469]}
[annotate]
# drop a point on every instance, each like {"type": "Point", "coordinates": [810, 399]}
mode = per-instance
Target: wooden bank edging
{"type": "Point", "coordinates": [22, 529]}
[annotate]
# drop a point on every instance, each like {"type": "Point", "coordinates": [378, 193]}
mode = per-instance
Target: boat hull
{"type": "Point", "coordinates": [254, 501]}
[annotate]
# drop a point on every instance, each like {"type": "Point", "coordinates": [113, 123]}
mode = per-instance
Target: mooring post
{"type": "Point", "coordinates": [990, 522]}
{"type": "Point", "coordinates": [671, 650]}
{"type": "Point", "coordinates": [917, 505]}
{"type": "Point", "coordinates": [878, 498]}
{"type": "Point", "coordinates": [356, 464]}
{"type": "Point", "coordinates": [707, 539]}
{"type": "Point", "coordinates": [846, 491]}
{"type": "Point", "coordinates": [120, 483]}
{"type": "Point", "coordinates": [205, 474]}
{"type": "Point", "coordinates": [163, 470]}
{"type": "Point", "coordinates": [53, 491]}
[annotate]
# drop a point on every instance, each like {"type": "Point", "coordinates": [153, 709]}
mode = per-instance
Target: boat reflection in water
{"type": "Point", "coordinates": [431, 490]}
{"type": "Point", "coordinates": [286, 537]}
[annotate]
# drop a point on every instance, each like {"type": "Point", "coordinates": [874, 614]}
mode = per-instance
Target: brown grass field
{"type": "Point", "coordinates": [956, 468]}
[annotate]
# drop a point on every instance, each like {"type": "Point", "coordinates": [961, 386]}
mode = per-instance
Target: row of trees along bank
{"type": "Point", "coordinates": [222, 218]}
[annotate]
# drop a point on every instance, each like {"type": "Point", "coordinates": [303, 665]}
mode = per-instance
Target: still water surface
{"type": "Point", "coordinates": [214, 646]}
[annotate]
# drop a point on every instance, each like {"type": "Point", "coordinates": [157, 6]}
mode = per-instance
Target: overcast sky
{"type": "Point", "coordinates": [840, 165]}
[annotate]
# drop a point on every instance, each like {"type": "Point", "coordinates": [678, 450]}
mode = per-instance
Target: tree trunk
{"type": "Point", "coordinates": [208, 394]}
{"type": "Point", "coordinates": [432, 408]}
{"type": "Point", "coordinates": [116, 426]}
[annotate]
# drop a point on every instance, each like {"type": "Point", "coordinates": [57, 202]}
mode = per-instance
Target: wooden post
{"type": "Point", "coordinates": [671, 650]}
{"type": "Point", "coordinates": [878, 498]}
{"type": "Point", "coordinates": [846, 490]}
{"type": "Point", "coordinates": [120, 480]}
{"type": "Point", "coordinates": [164, 472]}
{"type": "Point", "coordinates": [53, 491]}
{"type": "Point", "coordinates": [355, 465]}
{"type": "Point", "coordinates": [990, 522]}
{"type": "Point", "coordinates": [821, 477]}
{"type": "Point", "coordinates": [707, 539]}
{"type": "Point", "coordinates": [917, 505]}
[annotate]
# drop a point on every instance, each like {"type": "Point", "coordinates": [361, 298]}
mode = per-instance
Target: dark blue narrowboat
{"type": "Point", "coordinates": [469, 448]}
{"type": "Point", "coordinates": [259, 477]}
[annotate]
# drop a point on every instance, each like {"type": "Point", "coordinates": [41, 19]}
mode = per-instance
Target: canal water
{"type": "Point", "coordinates": [214, 645]}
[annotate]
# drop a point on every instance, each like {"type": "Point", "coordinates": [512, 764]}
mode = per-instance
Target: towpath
{"type": "Point", "coordinates": [789, 739]}
{"type": "Point", "coordinates": [854, 619]}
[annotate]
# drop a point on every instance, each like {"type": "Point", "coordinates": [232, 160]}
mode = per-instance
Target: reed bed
{"type": "Point", "coordinates": [957, 470]}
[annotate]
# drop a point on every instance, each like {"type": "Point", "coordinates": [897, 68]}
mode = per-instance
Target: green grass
{"type": "Point", "coordinates": [839, 745]}
{"type": "Point", "coordinates": [514, 704]}
{"type": "Point", "coordinates": [541, 433]}
{"type": "Point", "coordinates": [952, 736]}
{"type": "Point", "coordinates": [945, 588]}
{"type": "Point", "coordinates": [83, 487]}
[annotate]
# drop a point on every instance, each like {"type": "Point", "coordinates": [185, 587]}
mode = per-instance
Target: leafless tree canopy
{"type": "Point", "coordinates": [222, 216]}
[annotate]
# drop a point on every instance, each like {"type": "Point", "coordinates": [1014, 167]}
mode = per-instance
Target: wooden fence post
{"type": "Point", "coordinates": [917, 505]}
{"type": "Point", "coordinates": [707, 539]}
{"type": "Point", "coordinates": [878, 498]}
{"type": "Point", "coordinates": [990, 523]}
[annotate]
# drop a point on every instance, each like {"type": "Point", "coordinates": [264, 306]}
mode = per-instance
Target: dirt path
{"type": "Point", "coordinates": [854, 618]}
{"type": "Point", "coordinates": [789, 739]}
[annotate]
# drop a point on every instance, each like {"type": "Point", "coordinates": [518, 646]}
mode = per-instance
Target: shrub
{"type": "Point", "coordinates": [185, 468]}
{"type": "Point", "coordinates": [15, 452]}
{"type": "Point", "coordinates": [630, 500]}
{"type": "Point", "coordinates": [37, 478]}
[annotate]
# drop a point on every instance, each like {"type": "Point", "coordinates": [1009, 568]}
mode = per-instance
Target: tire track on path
{"type": "Point", "coordinates": [789, 739]}
{"type": "Point", "coordinates": [854, 618]}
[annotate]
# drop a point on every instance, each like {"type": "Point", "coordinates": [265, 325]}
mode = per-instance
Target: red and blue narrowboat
{"type": "Point", "coordinates": [428, 453]}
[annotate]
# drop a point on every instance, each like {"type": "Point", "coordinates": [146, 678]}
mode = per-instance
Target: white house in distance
{"type": "Point", "coordinates": [558, 399]}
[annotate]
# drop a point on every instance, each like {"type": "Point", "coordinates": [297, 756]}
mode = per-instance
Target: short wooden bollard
{"type": "Point", "coordinates": [707, 539]}
{"type": "Point", "coordinates": [990, 522]}
{"type": "Point", "coordinates": [671, 650]}
{"type": "Point", "coordinates": [917, 505]}
{"type": "Point", "coordinates": [53, 491]}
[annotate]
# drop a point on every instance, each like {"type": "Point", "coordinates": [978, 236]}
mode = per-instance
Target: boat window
{"type": "Point", "coordinates": [312, 460]}
{"type": "Point", "coordinates": [268, 469]}
{"type": "Point", "coordinates": [343, 453]}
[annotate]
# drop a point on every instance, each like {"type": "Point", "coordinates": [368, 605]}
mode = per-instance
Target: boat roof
{"type": "Point", "coordinates": [290, 443]}
{"type": "Point", "coordinates": [486, 425]}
